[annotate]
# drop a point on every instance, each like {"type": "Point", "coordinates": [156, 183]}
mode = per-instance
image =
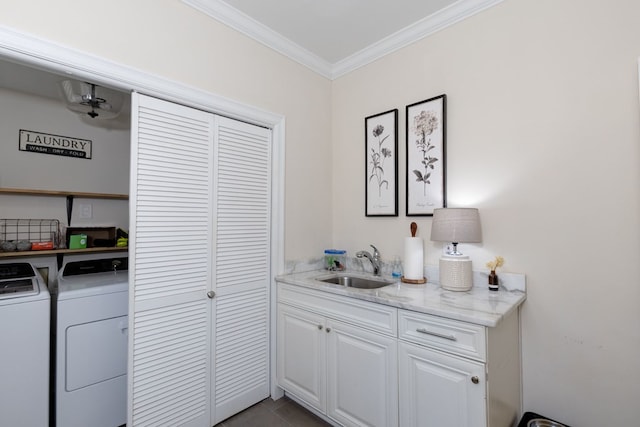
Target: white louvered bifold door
{"type": "Point", "coordinates": [242, 194]}
{"type": "Point", "coordinates": [170, 270]}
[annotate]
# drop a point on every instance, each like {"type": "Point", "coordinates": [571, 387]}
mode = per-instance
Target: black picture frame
{"type": "Point", "coordinates": [426, 129]}
{"type": "Point", "coordinates": [381, 164]}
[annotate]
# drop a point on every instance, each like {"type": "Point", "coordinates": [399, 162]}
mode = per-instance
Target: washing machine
{"type": "Point", "coordinates": [91, 342]}
{"type": "Point", "coordinates": [24, 346]}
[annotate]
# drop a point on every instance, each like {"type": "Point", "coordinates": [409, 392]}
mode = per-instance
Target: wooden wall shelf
{"type": "Point", "coordinates": [70, 195]}
{"type": "Point", "coordinates": [60, 251]}
{"type": "Point", "coordinates": [53, 193]}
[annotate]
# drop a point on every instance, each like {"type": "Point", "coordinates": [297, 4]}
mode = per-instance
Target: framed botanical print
{"type": "Point", "coordinates": [426, 156]}
{"type": "Point", "coordinates": [381, 161]}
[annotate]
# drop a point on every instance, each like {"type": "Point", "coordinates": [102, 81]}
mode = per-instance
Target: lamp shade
{"type": "Point", "coordinates": [460, 225]}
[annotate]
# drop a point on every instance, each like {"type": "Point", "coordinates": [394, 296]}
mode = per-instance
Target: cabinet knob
{"type": "Point", "coordinates": [211, 294]}
{"type": "Point", "coordinates": [475, 379]}
{"type": "Point", "coordinates": [328, 330]}
{"type": "Point", "coordinates": [320, 327]}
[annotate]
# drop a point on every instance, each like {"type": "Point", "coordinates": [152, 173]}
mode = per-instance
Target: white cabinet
{"type": "Point", "coordinates": [457, 374]}
{"type": "Point", "coordinates": [367, 364]}
{"type": "Point", "coordinates": [361, 376]}
{"type": "Point", "coordinates": [438, 389]}
{"type": "Point", "coordinates": [301, 365]}
{"type": "Point", "coordinates": [326, 359]}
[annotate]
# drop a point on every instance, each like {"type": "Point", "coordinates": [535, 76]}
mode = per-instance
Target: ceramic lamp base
{"type": "Point", "coordinates": [455, 273]}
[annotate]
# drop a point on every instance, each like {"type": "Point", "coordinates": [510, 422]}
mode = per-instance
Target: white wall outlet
{"type": "Point", "coordinates": [85, 211]}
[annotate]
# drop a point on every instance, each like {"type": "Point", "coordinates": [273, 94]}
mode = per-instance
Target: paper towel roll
{"type": "Point", "coordinates": [413, 258]}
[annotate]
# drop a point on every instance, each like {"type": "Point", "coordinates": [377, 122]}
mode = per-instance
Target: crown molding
{"type": "Point", "coordinates": [243, 23]}
{"type": "Point", "coordinates": [425, 27]}
{"type": "Point", "coordinates": [248, 26]}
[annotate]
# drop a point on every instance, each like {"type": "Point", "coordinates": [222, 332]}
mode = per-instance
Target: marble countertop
{"type": "Point", "coordinates": [479, 305]}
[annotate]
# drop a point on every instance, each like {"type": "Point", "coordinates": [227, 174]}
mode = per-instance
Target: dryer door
{"type": "Point", "coordinates": [92, 360]}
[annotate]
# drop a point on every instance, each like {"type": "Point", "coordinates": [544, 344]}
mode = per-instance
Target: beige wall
{"type": "Point", "coordinates": [544, 138]}
{"type": "Point", "coordinates": [172, 40]}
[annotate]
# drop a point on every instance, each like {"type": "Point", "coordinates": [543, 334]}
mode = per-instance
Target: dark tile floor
{"type": "Point", "coordinates": [283, 412]}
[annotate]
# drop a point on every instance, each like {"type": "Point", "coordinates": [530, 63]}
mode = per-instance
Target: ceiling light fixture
{"type": "Point", "coordinates": [92, 100]}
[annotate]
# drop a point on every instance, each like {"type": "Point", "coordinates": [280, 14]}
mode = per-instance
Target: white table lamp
{"type": "Point", "coordinates": [456, 225]}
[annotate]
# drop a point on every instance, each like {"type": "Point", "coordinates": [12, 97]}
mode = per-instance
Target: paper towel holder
{"type": "Point", "coordinates": [456, 225]}
{"type": "Point", "coordinates": [414, 229]}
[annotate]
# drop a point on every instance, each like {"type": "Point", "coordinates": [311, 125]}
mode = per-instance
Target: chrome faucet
{"type": "Point", "coordinates": [375, 259]}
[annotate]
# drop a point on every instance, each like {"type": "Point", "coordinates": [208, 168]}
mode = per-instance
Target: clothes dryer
{"type": "Point", "coordinates": [24, 346]}
{"type": "Point", "coordinates": [91, 347]}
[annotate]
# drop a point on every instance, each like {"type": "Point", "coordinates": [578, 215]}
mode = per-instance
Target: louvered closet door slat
{"type": "Point", "coordinates": [242, 192]}
{"type": "Point", "coordinates": [241, 359]}
{"type": "Point", "coordinates": [171, 217]}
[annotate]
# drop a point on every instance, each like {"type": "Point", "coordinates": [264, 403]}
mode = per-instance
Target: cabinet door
{"type": "Point", "coordinates": [362, 376]}
{"type": "Point", "coordinates": [437, 389]}
{"type": "Point", "coordinates": [301, 349]}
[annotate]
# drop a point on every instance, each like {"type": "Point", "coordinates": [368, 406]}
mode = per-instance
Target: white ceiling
{"type": "Point", "coordinates": [336, 29]}
{"type": "Point", "coordinates": [333, 37]}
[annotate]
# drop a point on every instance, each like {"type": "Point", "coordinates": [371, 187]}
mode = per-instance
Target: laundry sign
{"type": "Point", "coordinates": [58, 145]}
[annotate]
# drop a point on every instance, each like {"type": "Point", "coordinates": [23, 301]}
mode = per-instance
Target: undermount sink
{"type": "Point", "coordinates": [356, 282]}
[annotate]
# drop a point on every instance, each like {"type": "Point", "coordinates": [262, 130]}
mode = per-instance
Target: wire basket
{"type": "Point", "coordinates": [30, 230]}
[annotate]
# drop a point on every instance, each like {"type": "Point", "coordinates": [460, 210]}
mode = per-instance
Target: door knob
{"type": "Point", "coordinates": [211, 294]}
{"type": "Point", "coordinates": [475, 380]}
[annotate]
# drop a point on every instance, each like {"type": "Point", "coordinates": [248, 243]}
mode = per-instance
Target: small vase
{"type": "Point", "coordinates": [493, 281]}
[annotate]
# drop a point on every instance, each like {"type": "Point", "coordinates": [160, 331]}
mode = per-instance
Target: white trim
{"type": "Point", "coordinates": [47, 55]}
{"type": "Point", "coordinates": [277, 245]}
{"type": "Point", "coordinates": [248, 26]}
{"type": "Point", "coordinates": [243, 23]}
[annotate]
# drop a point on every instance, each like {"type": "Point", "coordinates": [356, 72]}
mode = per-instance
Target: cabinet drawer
{"type": "Point", "coordinates": [447, 335]}
{"type": "Point", "coordinates": [376, 317]}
